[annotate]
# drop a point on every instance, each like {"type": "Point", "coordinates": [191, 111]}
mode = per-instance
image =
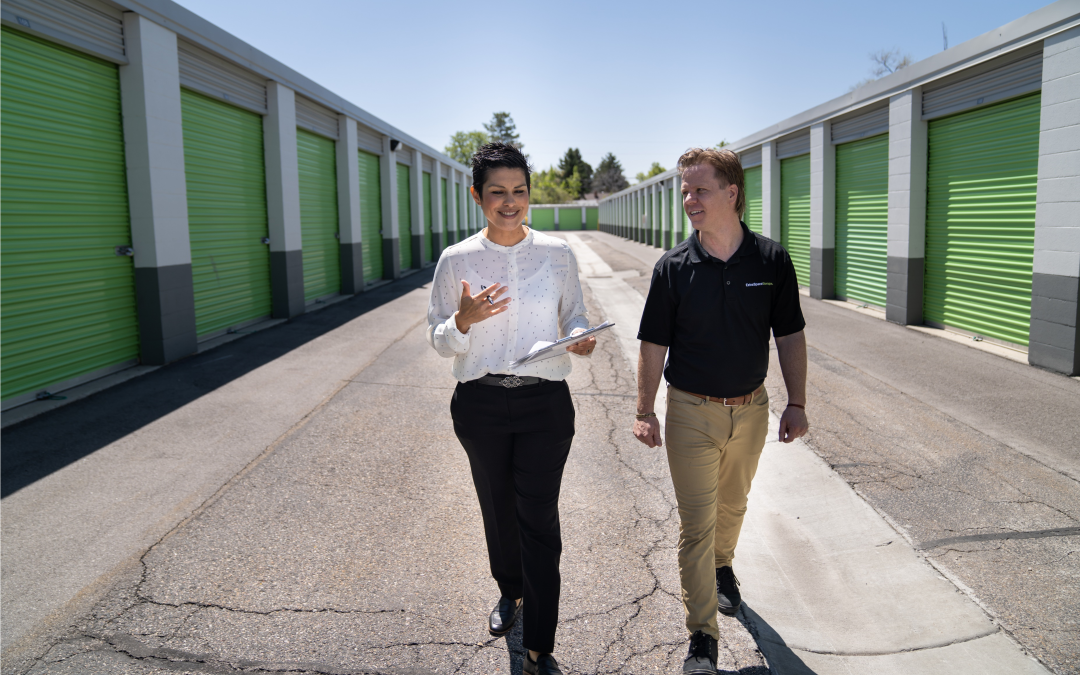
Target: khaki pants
{"type": "Point", "coordinates": [713, 452]}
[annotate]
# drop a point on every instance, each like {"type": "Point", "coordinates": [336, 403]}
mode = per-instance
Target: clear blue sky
{"type": "Point", "coordinates": [644, 80]}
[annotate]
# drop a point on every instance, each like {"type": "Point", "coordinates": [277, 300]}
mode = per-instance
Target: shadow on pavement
{"type": "Point", "coordinates": [778, 655]}
{"type": "Point", "coordinates": [41, 445]}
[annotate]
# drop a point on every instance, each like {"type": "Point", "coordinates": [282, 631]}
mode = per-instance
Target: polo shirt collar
{"type": "Point", "coordinates": [699, 254]}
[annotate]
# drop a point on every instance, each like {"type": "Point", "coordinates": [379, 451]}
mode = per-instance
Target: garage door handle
{"type": "Point", "coordinates": [125, 250]}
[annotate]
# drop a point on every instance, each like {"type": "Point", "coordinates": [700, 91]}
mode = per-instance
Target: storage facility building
{"type": "Point", "coordinates": [165, 183]}
{"type": "Point", "coordinates": [946, 194]}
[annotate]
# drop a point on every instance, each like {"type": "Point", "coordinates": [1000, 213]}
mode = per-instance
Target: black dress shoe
{"type": "Point", "coordinates": [502, 618]}
{"type": "Point", "coordinates": [728, 597]}
{"type": "Point", "coordinates": [545, 664]}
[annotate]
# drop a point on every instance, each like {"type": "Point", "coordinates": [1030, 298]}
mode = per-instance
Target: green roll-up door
{"type": "Point", "coordinates": [592, 218]}
{"type": "Point", "coordinates": [980, 219]}
{"type": "Point", "coordinates": [445, 214]}
{"type": "Point", "coordinates": [459, 203]}
{"type": "Point", "coordinates": [371, 215]}
{"type": "Point", "coordinates": [318, 215]}
{"type": "Point", "coordinates": [862, 219]}
{"type": "Point", "coordinates": [68, 300]}
{"type": "Point", "coordinates": [649, 215]}
{"type": "Point", "coordinates": [226, 197]}
{"type": "Point", "coordinates": [429, 220]}
{"type": "Point", "coordinates": [404, 216]}
{"type": "Point", "coordinates": [752, 216]}
{"type": "Point", "coordinates": [543, 219]}
{"type": "Point", "coordinates": [795, 213]}
{"type": "Point", "coordinates": [570, 218]}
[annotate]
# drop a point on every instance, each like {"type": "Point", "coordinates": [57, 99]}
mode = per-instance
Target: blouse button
{"type": "Point", "coordinates": [728, 283]}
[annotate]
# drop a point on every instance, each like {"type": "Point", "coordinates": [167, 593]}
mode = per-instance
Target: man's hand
{"type": "Point", "coordinates": [648, 432]}
{"type": "Point", "coordinates": [650, 368]}
{"type": "Point", "coordinates": [791, 350]}
{"type": "Point", "coordinates": [793, 424]}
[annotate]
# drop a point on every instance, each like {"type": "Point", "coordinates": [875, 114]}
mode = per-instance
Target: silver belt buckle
{"type": "Point", "coordinates": [511, 381]}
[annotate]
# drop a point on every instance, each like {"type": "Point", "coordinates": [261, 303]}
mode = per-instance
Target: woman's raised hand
{"type": "Point", "coordinates": [476, 308]}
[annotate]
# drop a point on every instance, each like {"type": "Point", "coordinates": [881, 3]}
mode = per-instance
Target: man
{"type": "Point", "coordinates": [713, 300]}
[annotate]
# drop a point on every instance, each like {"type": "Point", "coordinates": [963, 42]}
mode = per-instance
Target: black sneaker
{"type": "Point", "coordinates": [728, 597]}
{"type": "Point", "coordinates": [701, 659]}
{"type": "Point", "coordinates": [545, 664]}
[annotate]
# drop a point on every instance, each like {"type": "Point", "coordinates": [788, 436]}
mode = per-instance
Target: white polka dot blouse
{"type": "Point", "coordinates": [541, 275]}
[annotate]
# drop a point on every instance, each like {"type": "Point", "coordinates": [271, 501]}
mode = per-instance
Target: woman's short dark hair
{"type": "Point", "coordinates": [496, 155]}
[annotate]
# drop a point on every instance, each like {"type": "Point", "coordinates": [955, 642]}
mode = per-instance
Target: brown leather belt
{"type": "Point", "coordinates": [731, 402]}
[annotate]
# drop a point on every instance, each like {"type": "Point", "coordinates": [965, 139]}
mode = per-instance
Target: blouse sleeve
{"type": "Point", "coordinates": [443, 333]}
{"type": "Point", "coordinates": [572, 312]}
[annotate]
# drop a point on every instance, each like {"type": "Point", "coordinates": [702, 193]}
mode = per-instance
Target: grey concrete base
{"type": "Point", "coordinates": [822, 273]}
{"type": "Point", "coordinates": [904, 293]}
{"type": "Point", "coordinates": [1054, 340]}
{"type": "Point", "coordinates": [165, 301]}
{"type": "Point", "coordinates": [352, 268]}
{"type": "Point", "coordinates": [287, 283]}
{"type": "Point", "coordinates": [667, 240]}
{"type": "Point", "coordinates": [391, 258]}
{"type": "Point", "coordinates": [418, 251]}
{"type": "Point", "coordinates": [437, 246]}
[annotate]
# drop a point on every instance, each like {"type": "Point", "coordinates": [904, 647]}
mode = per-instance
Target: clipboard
{"type": "Point", "coordinates": [547, 350]}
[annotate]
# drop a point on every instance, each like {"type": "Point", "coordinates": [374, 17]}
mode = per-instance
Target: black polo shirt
{"type": "Point", "coordinates": [715, 316]}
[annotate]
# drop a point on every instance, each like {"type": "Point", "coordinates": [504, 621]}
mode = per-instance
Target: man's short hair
{"type": "Point", "coordinates": [727, 166]}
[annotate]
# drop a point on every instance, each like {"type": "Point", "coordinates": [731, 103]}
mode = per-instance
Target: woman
{"type": "Point", "coordinates": [495, 295]}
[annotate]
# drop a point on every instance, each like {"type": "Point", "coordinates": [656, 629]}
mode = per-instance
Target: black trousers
{"type": "Point", "coordinates": [517, 441]}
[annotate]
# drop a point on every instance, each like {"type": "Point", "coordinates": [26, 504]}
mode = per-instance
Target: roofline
{"type": "Point", "coordinates": [193, 27]}
{"type": "Point", "coordinates": [1031, 28]}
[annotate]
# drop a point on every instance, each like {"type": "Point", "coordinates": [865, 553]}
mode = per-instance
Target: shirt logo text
{"type": "Point", "coordinates": [759, 283]}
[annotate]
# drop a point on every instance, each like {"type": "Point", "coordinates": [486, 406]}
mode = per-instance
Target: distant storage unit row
{"type": "Point", "coordinates": [160, 191]}
{"type": "Point", "coordinates": [564, 216]}
{"type": "Point", "coordinates": [946, 194]}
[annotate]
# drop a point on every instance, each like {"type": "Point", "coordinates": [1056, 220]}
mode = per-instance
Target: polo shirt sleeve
{"type": "Point", "coordinates": [658, 318]}
{"type": "Point", "coordinates": [787, 317]}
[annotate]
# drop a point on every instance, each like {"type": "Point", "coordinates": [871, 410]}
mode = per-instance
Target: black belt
{"type": "Point", "coordinates": [508, 381]}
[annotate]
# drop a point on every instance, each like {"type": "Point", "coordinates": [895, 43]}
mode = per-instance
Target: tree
{"type": "Point", "coordinates": [654, 170]}
{"type": "Point", "coordinates": [609, 176]}
{"type": "Point", "coordinates": [548, 187]}
{"type": "Point", "coordinates": [886, 62]}
{"type": "Point", "coordinates": [572, 164]}
{"type": "Point", "coordinates": [502, 128]}
{"type": "Point", "coordinates": [464, 144]}
{"type": "Point", "coordinates": [722, 144]}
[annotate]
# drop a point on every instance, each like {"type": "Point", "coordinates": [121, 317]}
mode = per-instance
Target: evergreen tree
{"type": "Point", "coordinates": [502, 128]}
{"type": "Point", "coordinates": [609, 177]}
{"type": "Point", "coordinates": [571, 163]}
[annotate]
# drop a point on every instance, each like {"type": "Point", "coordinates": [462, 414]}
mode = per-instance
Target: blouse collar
{"type": "Point", "coordinates": [506, 249]}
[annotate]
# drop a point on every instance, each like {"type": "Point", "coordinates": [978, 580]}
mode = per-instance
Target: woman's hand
{"type": "Point", "coordinates": [583, 348]}
{"type": "Point", "coordinates": [476, 308]}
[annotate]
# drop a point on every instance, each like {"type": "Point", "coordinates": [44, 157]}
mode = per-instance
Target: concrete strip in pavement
{"type": "Point", "coordinates": [621, 302]}
{"type": "Point", "coordinates": [67, 533]}
{"type": "Point", "coordinates": [830, 587]}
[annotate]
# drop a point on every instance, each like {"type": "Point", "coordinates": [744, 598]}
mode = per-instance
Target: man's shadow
{"type": "Point", "coordinates": [781, 660]}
